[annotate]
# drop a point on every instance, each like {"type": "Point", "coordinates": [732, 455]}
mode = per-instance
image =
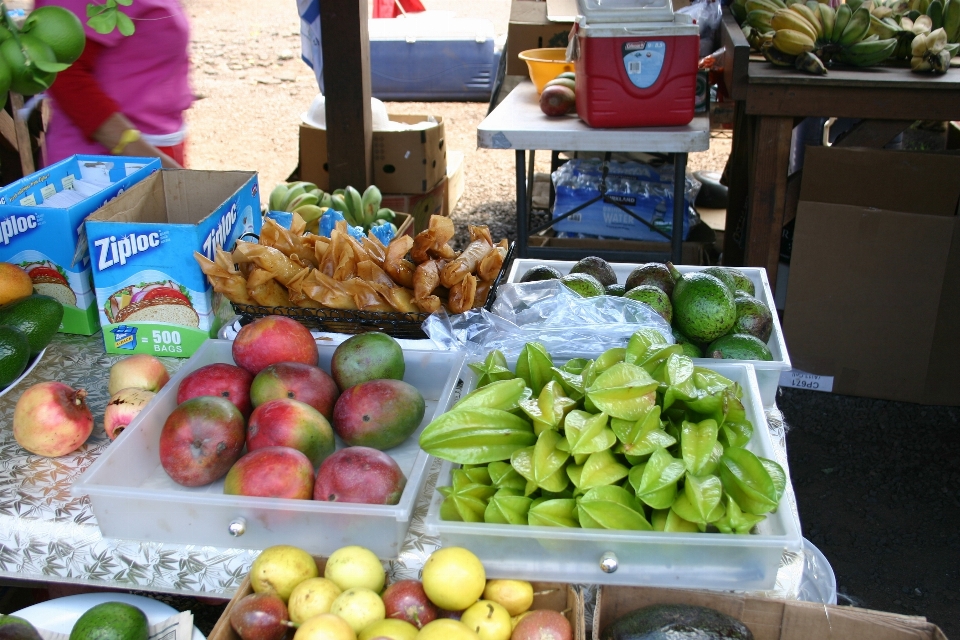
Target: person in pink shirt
{"type": "Point", "coordinates": [125, 95]}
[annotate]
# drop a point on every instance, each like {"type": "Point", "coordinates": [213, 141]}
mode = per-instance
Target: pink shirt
{"type": "Point", "coordinates": [146, 73]}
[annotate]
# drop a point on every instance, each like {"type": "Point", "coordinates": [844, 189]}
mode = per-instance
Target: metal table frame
{"type": "Point", "coordinates": [517, 123]}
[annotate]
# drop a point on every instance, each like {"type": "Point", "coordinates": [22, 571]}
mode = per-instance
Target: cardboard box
{"type": "Point", "coordinates": [530, 28]}
{"type": "Point", "coordinates": [456, 182]}
{"type": "Point", "coordinates": [872, 294]}
{"type": "Point", "coordinates": [152, 296]}
{"type": "Point", "coordinates": [403, 161]}
{"type": "Point", "coordinates": [547, 595]}
{"type": "Point", "coordinates": [770, 619]}
{"type": "Point", "coordinates": [46, 241]}
{"type": "Point", "coordinates": [420, 205]}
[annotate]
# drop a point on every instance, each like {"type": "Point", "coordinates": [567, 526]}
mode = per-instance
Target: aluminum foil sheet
{"type": "Point", "coordinates": [49, 535]}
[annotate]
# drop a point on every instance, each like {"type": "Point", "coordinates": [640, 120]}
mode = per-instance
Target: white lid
{"type": "Point", "coordinates": [607, 11]}
{"type": "Point", "coordinates": [679, 25]}
{"type": "Point", "coordinates": [430, 25]}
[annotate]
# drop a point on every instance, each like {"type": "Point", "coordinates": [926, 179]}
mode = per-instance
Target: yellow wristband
{"type": "Point", "coordinates": [128, 136]}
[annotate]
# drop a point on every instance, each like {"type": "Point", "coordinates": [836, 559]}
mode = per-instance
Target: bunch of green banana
{"type": "Point", "coordinates": [809, 35]}
{"type": "Point", "coordinates": [303, 198]}
{"type": "Point", "coordinates": [361, 210]}
{"type": "Point", "coordinates": [930, 52]}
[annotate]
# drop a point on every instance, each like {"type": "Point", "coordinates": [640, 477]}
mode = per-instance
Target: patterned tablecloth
{"type": "Point", "coordinates": [49, 535]}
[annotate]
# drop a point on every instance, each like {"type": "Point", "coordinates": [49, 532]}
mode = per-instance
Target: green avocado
{"type": "Point", "coordinates": [36, 316]}
{"type": "Point", "coordinates": [723, 274]}
{"type": "Point", "coordinates": [18, 630]}
{"type": "Point", "coordinates": [703, 306]}
{"type": "Point", "coordinates": [653, 296]}
{"type": "Point", "coordinates": [14, 354]}
{"type": "Point", "coordinates": [651, 273]}
{"type": "Point", "coordinates": [614, 290]}
{"type": "Point", "coordinates": [598, 268]}
{"type": "Point", "coordinates": [676, 622]}
{"type": "Point", "coordinates": [739, 346]}
{"type": "Point", "coordinates": [540, 272]}
{"type": "Point", "coordinates": [111, 621]}
{"type": "Point", "coordinates": [584, 284]}
{"type": "Point", "coordinates": [741, 281]}
{"type": "Point", "coordinates": [753, 317]}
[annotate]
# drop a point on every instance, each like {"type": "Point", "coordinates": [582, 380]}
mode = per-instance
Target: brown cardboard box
{"type": "Point", "coordinates": [403, 161]}
{"type": "Point", "coordinates": [548, 595]}
{"type": "Point", "coordinates": [420, 205]}
{"type": "Point", "coordinates": [872, 295]}
{"type": "Point", "coordinates": [530, 28]}
{"type": "Point", "coordinates": [770, 619]}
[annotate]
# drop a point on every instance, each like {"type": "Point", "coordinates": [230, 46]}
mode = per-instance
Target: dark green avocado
{"type": "Point", "coordinates": [676, 622]}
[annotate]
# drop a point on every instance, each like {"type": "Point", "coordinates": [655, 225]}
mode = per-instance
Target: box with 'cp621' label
{"type": "Point", "coordinates": [152, 296]}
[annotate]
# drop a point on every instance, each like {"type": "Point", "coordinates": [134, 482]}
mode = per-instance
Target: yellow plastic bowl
{"type": "Point", "coordinates": [545, 64]}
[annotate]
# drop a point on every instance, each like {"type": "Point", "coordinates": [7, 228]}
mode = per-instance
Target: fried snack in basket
{"type": "Point", "coordinates": [431, 243]}
{"type": "Point", "coordinates": [283, 268]}
{"type": "Point", "coordinates": [426, 279]}
{"type": "Point", "coordinates": [466, 263]}
{"type": "Point", "coordinates": [483, 290]}
{"type": "Point", "coordinates": [463, 294]}
{"type": "Point", "coordinates": [264, 289]}
{"type": "Point", "coordinates": [327, 291]}
{"type": "Point", "coordinates": [224, 277]}
{"type": "Point", "coordinates": [394, 263]}
{"type": "Point", "coordinates": [273, 235]}
{"type": "Point", "coordinates": [491, 263]}
{"type": "Point", "coordinates": [365, 296]}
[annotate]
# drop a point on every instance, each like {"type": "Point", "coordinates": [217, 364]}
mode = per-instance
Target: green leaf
{"type": "Point", "coordinates": [699, 447]}
{"type": "Point", "coordinates": [125, 3]}
{"type": "Point", "coordinates": [476, 436]}
{"type": "Point", "coordinates": [611, 507]}
{"type": "Point", "coordinates": [560, 512]}
{"type": "Point", "coordinates": [504, 395]}
{"type": "Point", "coordinates": [92, 10]}
{"type": "Point", "coordinates": [111, 4]}
{"type": "Point", "coordinates": [104, 22]}
{"type": "Point", "coordinates": [587, 433]}
{"type": "Point", "coordinates": [656, 481]}
{"type": "Point", "coordinates": [623, 391]}
{"type": "Point", "coordinates": [747, 481]}
{"type": "Point", "coordinates": [542, 464]}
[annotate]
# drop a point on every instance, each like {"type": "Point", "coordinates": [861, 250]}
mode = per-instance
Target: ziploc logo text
{"type": "Point", "coordinates": [217, 237]}
{"type": "Point", "coordinates": [14, 225]}
{"type": "Point", "coordinates": [111, 251]}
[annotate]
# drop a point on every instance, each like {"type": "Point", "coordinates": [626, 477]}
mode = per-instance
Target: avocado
{"type": "Point", "coordinates": [653, 296]}
{"type": "Point", "coordinates": [753, 317]}
{"type": "Point", "coordinates": [676, 622]}
{"type": "Point", "coordinates": [614, 290]}
{"type": "Point", "coordinates": [741, 281]}
{"type": "Point", "coordinates": [584, 284]}
{"type": "Point", "coordinates": [723, 275]}
{"type": "Point", "coordinates": [598, 268]}
{"type": "Point", "coordinates": [14, 354]}
{"type": "Point", "coordinates": [703, 306]}
{"type": "Point", "coordinates": [111, 621]}
{"type": "Point", "coordinates": [540, 272]}
{"type": "Point", "coordinates": [690, 348]}
{"type": "Point", "coordinates": [37, 316]}
{"type": "Point", "coordinates": [739, 346]}
{"type": "Point", "coordinates": [7, 619]}
{"type": "Point", "coordinates": [653, 273]}
{"type": "Point", "coordinates": [15, 630]}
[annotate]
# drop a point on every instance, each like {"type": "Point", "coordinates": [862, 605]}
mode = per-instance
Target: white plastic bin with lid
{"type": "Point", "coordinates": [649, 558]}
{"type": "Point", "coordinates": [768, 372]}
{"type": "Point", "coordinates": [605, 11]}
{"type": "Point", "coordinates": [133, 498]}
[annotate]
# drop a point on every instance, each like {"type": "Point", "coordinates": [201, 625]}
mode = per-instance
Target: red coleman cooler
{"type": "Point", "coordinates": [636, 64]}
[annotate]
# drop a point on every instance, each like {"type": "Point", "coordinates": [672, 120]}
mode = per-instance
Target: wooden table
{"type": "Point", "coordinates": [771, 100]}
{"type": "Point", "coordinates": [517, 123]}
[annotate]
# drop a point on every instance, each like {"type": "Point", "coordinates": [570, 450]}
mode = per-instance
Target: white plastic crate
{"type": "Point", "coordinates": [768, 373]}
{"type": "Point", "coordinates": [649, 558]}
{"type": "Point", "coordinates": [133, 498]}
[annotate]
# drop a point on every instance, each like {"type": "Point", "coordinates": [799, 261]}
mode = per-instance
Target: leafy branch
{"type": "Point", "coordinates": [104, 18]}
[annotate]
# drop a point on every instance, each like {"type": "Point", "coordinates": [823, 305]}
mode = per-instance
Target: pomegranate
{"type": "Point", "coordinates": [123, 407]}
{"type": "Point", "coordinates": [51, 419]}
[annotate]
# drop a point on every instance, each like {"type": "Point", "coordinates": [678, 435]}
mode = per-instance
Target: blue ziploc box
{"type": "Point", "coordinates": [152, 296]}
{"type": "Point", "coordinates": [41, 222]}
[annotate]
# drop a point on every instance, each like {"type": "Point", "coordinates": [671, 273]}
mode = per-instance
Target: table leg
{"type": "Point", "coordinates": [679, 205]}
{"type": "Point", "coordinates": [767, 180]}
{"type": "Point", "coordinates": [523, 212]}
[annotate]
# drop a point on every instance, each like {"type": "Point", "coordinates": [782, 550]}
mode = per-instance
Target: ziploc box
{"type": "Point", "coordinates": [151, 294]}
{"type": "Point", "coordinates": [46, 241]}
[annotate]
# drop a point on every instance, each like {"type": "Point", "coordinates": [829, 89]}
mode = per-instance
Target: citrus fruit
{"type": "Point", "coordinates": [392, 629]}
{"type": "Point", "coordinates": [26, 79]}
{"type": "Point", "coordinates": [453, 578]}
{"type": "Point", "coordinates": [311, 598]}
{"type": "Point", "coordinates": [360, 607]}
{"type": "Point", "coordinates": [446, 629]}
{"type": "Point", "coordinates": [14, 281]}
{"type": "Point", "coordinates": [516, 596]}
{"type": "Point", "coordinates": [488, 619]}
{"type": "Point", "coordinates": [280, 568]}
{"type": "Point", "coordinates": [325, 626]}
{"type": "Point", "coordinates": [355, 566]}
{"type": "Point", "coordinates": [60, 29]}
